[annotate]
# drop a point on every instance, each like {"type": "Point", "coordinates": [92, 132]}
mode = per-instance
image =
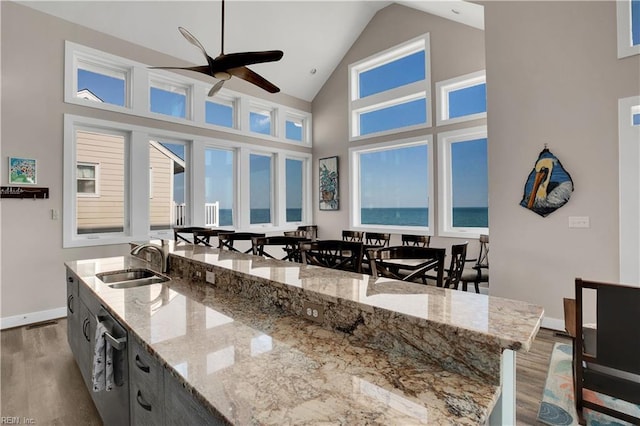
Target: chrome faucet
{"type": "Point", "coordinates": [162, 251]}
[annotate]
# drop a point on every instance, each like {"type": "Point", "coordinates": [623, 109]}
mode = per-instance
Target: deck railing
{"type": "Point", "coordinates": [211, 214]}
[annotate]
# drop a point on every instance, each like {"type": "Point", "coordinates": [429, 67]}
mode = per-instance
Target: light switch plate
{"type": "Point", "coordinates": [579, 222]}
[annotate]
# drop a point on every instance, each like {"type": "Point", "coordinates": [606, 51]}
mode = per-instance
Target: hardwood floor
{"type": "Point", "coordinates": [39, 378]}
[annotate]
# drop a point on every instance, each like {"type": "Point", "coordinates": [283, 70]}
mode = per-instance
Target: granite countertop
{"type": "Point", "coordinates": [256, 363]}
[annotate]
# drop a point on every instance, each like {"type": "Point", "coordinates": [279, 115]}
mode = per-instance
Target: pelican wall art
{"type": "Point", "coordinates": [548, 186]}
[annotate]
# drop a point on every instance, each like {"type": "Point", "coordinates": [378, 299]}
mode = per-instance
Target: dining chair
{"type": "Point", "coordinates": [334, 254]}
{"type": "Point", "coordinates": [290, 245]}
{"type": "Point", "coordinates": [479, 272]}
{"type": "Point", "coordinates": [188, 230]}
{"type": "Point", "coordinates": [609, 363]}
{"type": "Point", "coordinates": [203, 236]}
{"type": "Point", "coordinates": [311, 231]}
{"type": "Point", "coordinates": [454, 273]}
{"type": "Point", "coordinates": [416, 240]}
{"type": "Point", "coordinates": [407, 263]}
{"type": "Point", "coordinates": [352, 236]}
{"type": "Point", "coordinates": [227, 240]}
{"type": "Point", "coordinates": [377, 239]}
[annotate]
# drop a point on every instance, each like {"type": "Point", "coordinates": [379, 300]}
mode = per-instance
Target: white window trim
{"type": "Point", "coordinates": [625, 48]}
{"type": "Point", "coordinates": [443, 88]}
{"type": "Point", "coordinates": [445, 202]}
{"type": "Point", "coordinates": [96, 174]}
{"type": "Point", "coordinates": [137, 97]}
{"type": "Point", "coordinates": [354, 179]}
{"type": "Point", "coordinates": [302, 120]}
{"type": "Point", "coordinates": [306, 182]}
{"type": "Point", "coordinates": [137, 153]}
{"type": "Point", "coordinates": [225, 100]}
{"type": "Point", "coordinates": [264, 110]}
{"type": "Point", "coordinates": [412, 91]}
{"type": "Point", "coordinates": [629, 184]}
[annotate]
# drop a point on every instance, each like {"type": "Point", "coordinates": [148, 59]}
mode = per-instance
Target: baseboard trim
{"type": "Point", "coordinates": [553, 323]}
{"type": "Point", "coordinates": [32, 317]}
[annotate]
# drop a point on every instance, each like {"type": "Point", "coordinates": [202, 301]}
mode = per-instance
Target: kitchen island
{"type": "Point", "coordinates": [239, 334]}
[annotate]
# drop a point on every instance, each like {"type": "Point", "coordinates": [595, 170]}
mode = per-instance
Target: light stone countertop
{"type": "Point", "coordinates": [256, 363]}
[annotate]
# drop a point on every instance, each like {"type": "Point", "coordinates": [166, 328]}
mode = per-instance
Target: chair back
{"type": "Point", "coordinates": [458, 255]}
{"type": "Point", "coordinates": [433, 260]}
{"type": "Point", "coordinates": [483, 256]}
{"type": "Point", "coordinates": [352, 236]}
{"type": "Point", "coordinates": [416, 240]}
{"type": "Point", "coordinates": [334, 254]}
{"type": "Point", "coordinates": [377, 239]}
{"type": "Point", "coordinates": [203, 236]}
{"type": "Point", "coordinates": [311, 231]}
{"type": "Point", "coordinates": [290, 245]}
{"type": "Point", "coordinates": [614, 368]}
{"type": "Point", "coordinates": [179, 232]}
{"type": "Point", "coordinates": [226, 240]}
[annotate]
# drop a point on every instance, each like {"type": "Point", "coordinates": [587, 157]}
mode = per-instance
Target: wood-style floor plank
{"type": "Point", "coordinates": [40, 379]}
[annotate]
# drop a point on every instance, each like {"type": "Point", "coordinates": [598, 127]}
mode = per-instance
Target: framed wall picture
{"type": "Point", "coordinates": [329, 183]}
{"type": "Point", "coordinates": [22, 171]}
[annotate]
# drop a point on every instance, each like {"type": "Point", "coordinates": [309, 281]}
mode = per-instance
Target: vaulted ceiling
{"type": "Point", "coordinates": [314, 35]}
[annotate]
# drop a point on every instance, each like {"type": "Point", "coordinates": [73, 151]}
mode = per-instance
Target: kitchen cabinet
{"type": "Point", "coordinates": [146, 387]}
{"type": "Point", "coordinates": [73, 313]}
{"type": "Point", "coordinates": [182, 408]}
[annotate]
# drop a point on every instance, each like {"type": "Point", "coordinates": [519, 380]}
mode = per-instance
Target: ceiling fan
{"type": "Point", "coordinates": [224, 66]}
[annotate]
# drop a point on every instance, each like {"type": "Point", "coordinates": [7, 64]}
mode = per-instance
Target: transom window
{"type": "Point", "coordinates": [463, 182]}
{"type": "Point", "coordinates": [220, 111]}
{"type": "Point", "coordinates": [392, 186]}
{"type": "Point", "coordinates": [461, 98]}
{"type": "Point", "coordinates": [295, 128]}
{"type": "Point", "coordinates": [628, 27]}
{"type": "Point", "coordinates": [391, 91]}
{"type": "Point", "coordinates": [169, 98]}
{"type": "Point", "coordinates": [260, 119]}
{"type": "Point", "coordinates": [101, 83]}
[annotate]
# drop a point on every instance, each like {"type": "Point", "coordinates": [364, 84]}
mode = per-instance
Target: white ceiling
{"type": "Point", "coordinates": [312, 34]}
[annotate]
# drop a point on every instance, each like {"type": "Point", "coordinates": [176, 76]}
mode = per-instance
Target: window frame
{"type": "Point", "coordinates": [274, 208]}
{"type": "Point", "coordinates": [445, 193]}
{"type": "Point", "coordinates": [264, 110]}
{"type": "Point", "coordinates": [138, 97]}
{"type": "Point", "coordinates": [391, 97]}
{"type": "Point", "coordinates": [306, 182]}
{"type": "Point", "coordinates": [227, 100]}
{"type": "Point", "coordinates": [96, 171]}
{"type": "Point", "coordinates": [624, 29]}
{"type": "Point", "coordinates": [354, 180]}
{"type": "Point", "coordinates": [170, 85]}
{"type": "Point", "coordinates": [444, 87]}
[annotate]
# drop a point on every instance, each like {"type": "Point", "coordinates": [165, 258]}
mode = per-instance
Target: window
{"type": "Point", "coordinates": [463, 182]}
{"type": "Point", "coordinates": [220, 112]}
{"type": "Point", "coordinates": [167, 207]}
{"type": "Point", "coordinates": [261, 183]}
{"type": "Point", "coordinates": [392, 186]}
{"type": "Point", "coordinates": [294, 185]}
{"type": "Point", "coordinates": [100, 212]}
{"type": "Point", "coordinates": [391, 91]}
{"type": "Point", "coordinates": [628, 27]}
{"type": "Point", "coordinates": [260, 120]}
{"type": "Point", "coordinates": [462, 98]}
{"type": "Point", "coordinates": [635, 115]}
{"type": "Point", "coordinates": [169, 98]}
{"type": "Point", "coordinates": [103, 81]}
{"type": "Point", "coordinates": [219, 182]}
{"type": "Point", "coordinates": [87, 179]}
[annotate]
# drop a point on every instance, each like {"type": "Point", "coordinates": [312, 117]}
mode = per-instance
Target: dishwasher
{"type": "Point", "coordinates": [113, 405]}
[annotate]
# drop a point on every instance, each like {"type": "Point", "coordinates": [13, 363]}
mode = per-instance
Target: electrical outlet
{"type": "Point", "coordinates": [198, 274]}
{"type": "Point", "coordinates": [313, 312]}
{"type": "Point", "coordinates": [210, 277]}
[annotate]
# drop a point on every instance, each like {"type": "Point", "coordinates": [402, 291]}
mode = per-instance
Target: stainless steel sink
{"type": "Point", "coordinates": [129, 278]}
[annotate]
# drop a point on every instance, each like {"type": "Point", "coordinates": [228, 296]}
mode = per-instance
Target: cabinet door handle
{"type": "Point", "coordinates": [70, 303]}
{"type": "Point", "coordinates": [70, 279]}
{"type": "Point", "coordinates": [141, 365]}
{"type": "Point", "coordinates": [144, 404]}
{"type": "Point", "coordinates": [84, 329]}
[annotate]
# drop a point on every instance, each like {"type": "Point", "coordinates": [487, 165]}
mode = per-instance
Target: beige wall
{"type": "Point", "coordinates": [456, 50]}
{"type": "Point", "coordinates": [553, 77]}
{"type": "Point", "coordinates": [32, 270]}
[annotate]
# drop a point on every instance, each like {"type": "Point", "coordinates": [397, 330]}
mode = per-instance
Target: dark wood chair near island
{"type": "Point", "coordinates": [379, 239]}
{"type": "Point", "coordinates": [289, 244]}
{"type": "Point", "coordinates": [180, 233]}
{"type": "Point", "coordinates": [606, 358]}
{"type": "Point", "coordinates": [334, 254]}
{"type": "Point", "coordinates": [352, 236]}
{"type": "Point", "coordinates": [456, 266]}
{"type": "Point", "coordinates": [479, 272]}
{"type": "Point", "coordinates": [407, 263]}
{"type": "Point", "coordinates": [203, 236]}
{"type": "Point", "coordinates": [227, 240]}
{"type": "Point", "coordinates": [416, 240]}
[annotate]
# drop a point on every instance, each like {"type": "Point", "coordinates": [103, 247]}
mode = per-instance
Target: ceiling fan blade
{"type": "Point", "coordinates": [254, 78]}
{"type": "Point", "coordinates": [216, 88]}
{"type": "Point", "coordinates": [205, 69]}
{"type": "Point", "coordinates": [191, 39]}
{"type": "Point", "coordinates": [236, 60]}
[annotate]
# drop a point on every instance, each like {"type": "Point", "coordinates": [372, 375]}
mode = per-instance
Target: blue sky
{"type": "Point", "coordinates": [404, 181]}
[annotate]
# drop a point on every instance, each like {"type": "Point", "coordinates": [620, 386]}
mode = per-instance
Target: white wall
{"type": "Point", "coordinates": [32, 270]}
{"type": "Point", "coordinates": [553, 77]}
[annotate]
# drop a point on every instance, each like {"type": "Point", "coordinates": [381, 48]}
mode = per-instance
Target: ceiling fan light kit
{"type": "Point", "coordinates": [224, 66]}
